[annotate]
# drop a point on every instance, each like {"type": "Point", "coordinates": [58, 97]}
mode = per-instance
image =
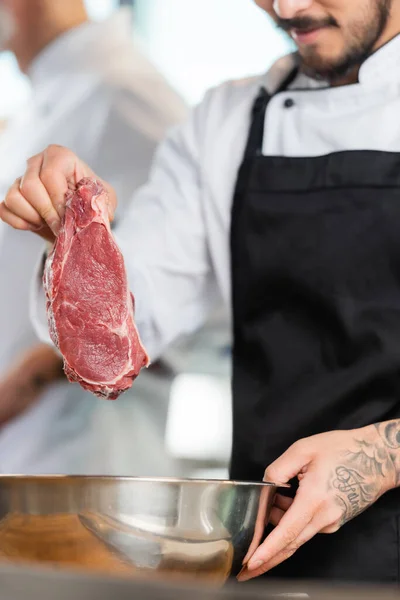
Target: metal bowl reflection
{"type": "Point", "coordinates": [147, 528]}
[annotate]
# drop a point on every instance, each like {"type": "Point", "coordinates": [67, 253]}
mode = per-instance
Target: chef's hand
{"type": "Point", "coordinates": [22, 385]}
{"type": "Point", "coordinates": [36, 201]}
{"type": "Point", "coordinates": [341, 473]}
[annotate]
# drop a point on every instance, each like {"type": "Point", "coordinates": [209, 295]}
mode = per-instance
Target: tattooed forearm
{"type": "Point", "coordinates": [365, 473]}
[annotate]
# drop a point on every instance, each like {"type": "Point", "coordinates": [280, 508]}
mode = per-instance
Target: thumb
{"type": "Point", "coordinates": [290, 464]}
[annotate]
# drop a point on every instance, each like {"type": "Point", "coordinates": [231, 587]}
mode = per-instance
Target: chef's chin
{"type": "Point", "coordinates": [330, 70]}
{"type": "Point", "coordinates": [333, 67]}
{"type": "Point", "coordinates": [340, 50]}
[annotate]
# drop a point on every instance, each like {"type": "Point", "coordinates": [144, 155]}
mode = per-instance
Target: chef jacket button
{"type": "Point", "coordinates": [289, 102]}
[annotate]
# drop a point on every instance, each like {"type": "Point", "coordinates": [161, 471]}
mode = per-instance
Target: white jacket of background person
{"type": "Point", "coordinates": [94, 92]}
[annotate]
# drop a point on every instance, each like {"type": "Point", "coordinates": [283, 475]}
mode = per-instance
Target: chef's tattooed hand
{"type": "Point", "coordinates": [389, 432]}
{"type": "Point", "coordinates": [365, 473]}
{"type": "Point", "coordinates": [340, 473]}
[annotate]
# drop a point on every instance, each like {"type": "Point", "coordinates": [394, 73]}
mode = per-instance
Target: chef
{"type": "Point", "coordinates": [280, 194]}
{"type": "Point", "coordinates": [93, 91]}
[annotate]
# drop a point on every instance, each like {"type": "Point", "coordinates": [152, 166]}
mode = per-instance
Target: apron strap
{"type": "Point", "coordinates": [256, 133]}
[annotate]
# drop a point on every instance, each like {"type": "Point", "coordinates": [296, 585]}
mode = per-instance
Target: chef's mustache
{"type": "Point", "coordinates": [304, 24]}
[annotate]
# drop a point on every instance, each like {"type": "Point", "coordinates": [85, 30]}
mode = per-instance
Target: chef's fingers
{"type": "Point", "coordinates": [318, 524]}
{"type": "Point", "coordinates": [290, 527]}
{"type": "Point", "coordinates": [60, 171]}
{"type": "Point", "coordinates": [18, 205]}
{"type": "Point", "coordinates": [262, 518]}
{"type": "Point", "coordinates": [310, 531]}
{"type": "Point", "coordinates": [275, 516]}
{"type": "Point", "coordinates": [17, 223]}
{"type": "Point", "coordinates": [13, 220]}
{"type": "Point", "coordinates": [292, 462]}
{"type": "Point", "coordinates": [281, 505]}
{"type": "Point", "coordinates": [283, 502]}
{"type": "Point", "coordinates": [35, 193]}
{"type": "Point", "coordinates": [265, 501]}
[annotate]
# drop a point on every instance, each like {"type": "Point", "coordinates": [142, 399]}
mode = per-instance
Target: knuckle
{"type": "Point", "coordinates": [47, 213]}
{"type": "Point", "coordinates": [326, 504]}
{"type": "Point", "coordinates": [52, 170]}
{"type": "Point", "coordinates": [47, 173]}
{"type": "Point", "coordinates": [28, 186]}
{"type": "Point", "coordinates": [290, 536]}
{"type": "Point", "coordinates": [300, 446]}
{"type": "Point", "coordinates": [269, 474]}
{"type": "Point", "coordinates": [58, 154]}
{"type": "Point", "coordinates": [9, 200]}
{"type": "Point", "coordinates": [333, 520]}
{"type": "Point", "coordinates": [333, 528]}
{"type": "Point", "coordinates": [273, 475]}
{"type": "Point", "coordinates": [318, 502]}
{"type": "Point", "coordinates": [291, 550]}
{"type": "Point", "coordinates": [296, 445]}
{"type": "Point", "coordinates": [55, 148]}
{"type": "Point", "coordinates": [33, 160]}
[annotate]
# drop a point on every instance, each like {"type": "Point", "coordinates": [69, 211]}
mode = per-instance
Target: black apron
{"type": "Point", "coordinates": [315, 247]}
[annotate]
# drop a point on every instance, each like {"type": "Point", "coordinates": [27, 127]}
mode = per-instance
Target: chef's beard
{"type": "Point", "coordinates": [7, 28]}
{"type": "Point", "coordinates": [362, 36]}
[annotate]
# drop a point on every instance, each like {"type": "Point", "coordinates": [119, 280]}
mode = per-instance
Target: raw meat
{"type": "Point", "coordinates": [89, 307]}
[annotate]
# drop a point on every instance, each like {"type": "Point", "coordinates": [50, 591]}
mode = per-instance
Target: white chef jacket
{"type": "Point", "coordinates": [94, 92]}
{"type": "Point", "coordinates": [175, 235]}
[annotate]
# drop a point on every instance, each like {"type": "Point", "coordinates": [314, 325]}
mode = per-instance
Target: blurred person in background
{"type": "Point", "coordinates": [96, 93]}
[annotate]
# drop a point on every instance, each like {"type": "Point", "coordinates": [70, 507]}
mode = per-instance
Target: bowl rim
{"type": "Point", "coordinates": [110, 478]}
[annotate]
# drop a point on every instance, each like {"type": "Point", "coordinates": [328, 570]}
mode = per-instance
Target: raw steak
{"type": "Point", "coordinates": [89, 307]}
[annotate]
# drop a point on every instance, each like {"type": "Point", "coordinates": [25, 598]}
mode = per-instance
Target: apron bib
{"type": "Point", "coordinates": [315, 246]}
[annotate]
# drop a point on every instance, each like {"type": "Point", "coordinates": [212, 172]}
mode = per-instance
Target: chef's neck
{"type": "Point", "coordinates": [51, 21]}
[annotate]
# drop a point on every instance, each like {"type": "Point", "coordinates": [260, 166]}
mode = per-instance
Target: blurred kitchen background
{"type": "Point", "coordinates": [182, 406]}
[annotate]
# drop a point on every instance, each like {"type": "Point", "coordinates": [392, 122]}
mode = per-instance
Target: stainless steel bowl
{"type": "Point", "coordinates": [146, 528]}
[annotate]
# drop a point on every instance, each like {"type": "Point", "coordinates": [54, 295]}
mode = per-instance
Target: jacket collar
{"type": "Point", "coordinates": [381, 66]}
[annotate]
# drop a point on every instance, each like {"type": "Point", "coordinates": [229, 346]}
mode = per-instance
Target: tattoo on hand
{"type": "Point", "coordinates": [355, 492]}
{"type": "Point", "coordinates": [365, 472]}
{"type": "Point", "coordinates": [389, 433]}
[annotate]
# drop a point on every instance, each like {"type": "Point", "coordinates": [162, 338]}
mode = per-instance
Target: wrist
{"type": "Point", "coordinates": [388, 444]}
{"type": "Point", "coordinates": [43, 366]}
